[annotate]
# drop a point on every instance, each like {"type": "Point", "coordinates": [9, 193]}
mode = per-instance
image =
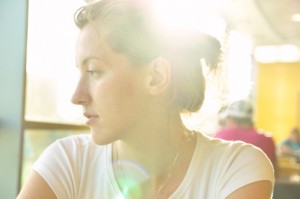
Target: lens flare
{"type": "Point", "coordinates": [130, 178]}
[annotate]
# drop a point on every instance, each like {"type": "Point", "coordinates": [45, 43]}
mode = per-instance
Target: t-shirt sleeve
{"type": "Point", "coordinates": [246, 164]}
{"type": "Point", "coordinates": [56, 166]}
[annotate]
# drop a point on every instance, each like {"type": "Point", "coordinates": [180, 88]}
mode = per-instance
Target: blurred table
{"type": "Point", "coordinates": [287, 184]}
{"type": "Point", "coordinates": [287, 187]}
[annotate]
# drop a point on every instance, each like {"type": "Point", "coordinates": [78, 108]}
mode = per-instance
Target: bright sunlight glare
{"type": "Point", "coordinates": [239, 67]}
{"type": "Point", "coordinates": [200, 15]}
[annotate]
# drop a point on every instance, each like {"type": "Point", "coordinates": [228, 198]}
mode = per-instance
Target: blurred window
{"type": "Point", "coordinates": [50, 77]}
{"type": "Point", "coordinates": [50, 67]}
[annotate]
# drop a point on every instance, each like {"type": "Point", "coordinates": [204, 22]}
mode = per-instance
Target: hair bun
{"type": "Point", "coordinates": [210, 50]}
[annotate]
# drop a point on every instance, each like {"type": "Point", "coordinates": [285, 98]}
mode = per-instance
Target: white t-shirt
{"type": "Point", "coordinates": [75, 167]}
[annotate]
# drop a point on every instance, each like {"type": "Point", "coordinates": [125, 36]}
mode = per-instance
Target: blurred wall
{"type": "Point", "coordinates": [13, 19]}
{"type": "Point", "coordinates": [278, 91]}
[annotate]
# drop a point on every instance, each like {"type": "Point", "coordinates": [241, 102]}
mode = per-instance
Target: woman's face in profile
{"type": "Point", "coordinates": [113, 93]}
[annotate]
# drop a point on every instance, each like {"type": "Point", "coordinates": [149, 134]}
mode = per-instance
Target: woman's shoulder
{"type": "Point", "coordinates": [72, 151]}
{"type": "Point", "coordinates": [218, 143]}
{"type": "Point", "coordinates": [232, 160]}
{"type": "Point", "coordinates": [225, 149]}
{"type": "Point", "coordinates": [77, 145]}
{"type": "Point", "coordinates": [70, 158]}
{"type": "Point", "coordinates": [78, 139]}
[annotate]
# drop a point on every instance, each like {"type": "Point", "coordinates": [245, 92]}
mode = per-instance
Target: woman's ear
{"type": "Point", "coordinates": [160, 75]}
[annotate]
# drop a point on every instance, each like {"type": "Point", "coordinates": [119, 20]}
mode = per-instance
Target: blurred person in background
{"type": "Point", "coordinates": [236, 123]}
{"type": "Point", "coordinates": [291, 145]}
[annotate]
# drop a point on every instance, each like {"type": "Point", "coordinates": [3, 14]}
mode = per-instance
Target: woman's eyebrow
{"type": "Point", "coordinates": [87, 60]}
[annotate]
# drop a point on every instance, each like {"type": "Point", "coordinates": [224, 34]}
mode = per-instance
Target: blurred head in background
{"type": "Point", "coordinates": [295, 135]}
{"type": "Point", "coordinates": [238, 113]}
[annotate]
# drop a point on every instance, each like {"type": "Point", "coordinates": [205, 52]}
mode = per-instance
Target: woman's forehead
{"type": "Point", "coordinates": [93, 45]}
{"type": "Point", "coordinates": [93, 31]}
{"type": "Point", "coordinates": [91, 42]}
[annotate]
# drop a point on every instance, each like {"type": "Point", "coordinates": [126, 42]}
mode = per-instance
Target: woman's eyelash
{"type": "Point", "coordinates": [93, 72]}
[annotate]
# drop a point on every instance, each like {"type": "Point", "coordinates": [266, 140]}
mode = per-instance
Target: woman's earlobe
{"type": "Point", "coordinates": [160, 76]}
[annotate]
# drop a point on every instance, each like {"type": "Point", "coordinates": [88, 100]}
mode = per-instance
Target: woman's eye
{"type": "Point", "coordinates": [94, 73]}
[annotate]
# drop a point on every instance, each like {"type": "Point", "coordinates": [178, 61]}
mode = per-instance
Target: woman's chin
{"type": "Point", "coordinates": [101, 138]}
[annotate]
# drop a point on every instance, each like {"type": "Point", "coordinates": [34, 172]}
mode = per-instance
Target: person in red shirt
{"type": "Point", "coordinates": [237, 124]}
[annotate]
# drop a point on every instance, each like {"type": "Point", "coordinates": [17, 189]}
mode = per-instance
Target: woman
{"type": "Point", "coordinates": [135, 81]}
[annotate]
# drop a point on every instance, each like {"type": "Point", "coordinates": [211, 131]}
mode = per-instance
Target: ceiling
{"type": "Point", "coordinates": [266, 22]}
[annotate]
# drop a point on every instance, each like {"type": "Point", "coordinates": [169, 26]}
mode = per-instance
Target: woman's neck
{"type": "Point", "coordinates": [154, 147]}
{"type": "Point", "coordinates": [162, 154]}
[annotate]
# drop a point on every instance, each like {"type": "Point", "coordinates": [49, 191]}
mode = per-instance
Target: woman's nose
{"type": "Point", "coordinates": [81, 94]}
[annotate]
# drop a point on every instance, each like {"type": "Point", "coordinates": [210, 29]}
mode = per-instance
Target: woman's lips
{"type": "Point", "coordinates": [90, 118]}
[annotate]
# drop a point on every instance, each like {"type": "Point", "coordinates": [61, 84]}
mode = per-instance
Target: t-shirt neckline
{"type": "Point", "coordinates": [180, 189]}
